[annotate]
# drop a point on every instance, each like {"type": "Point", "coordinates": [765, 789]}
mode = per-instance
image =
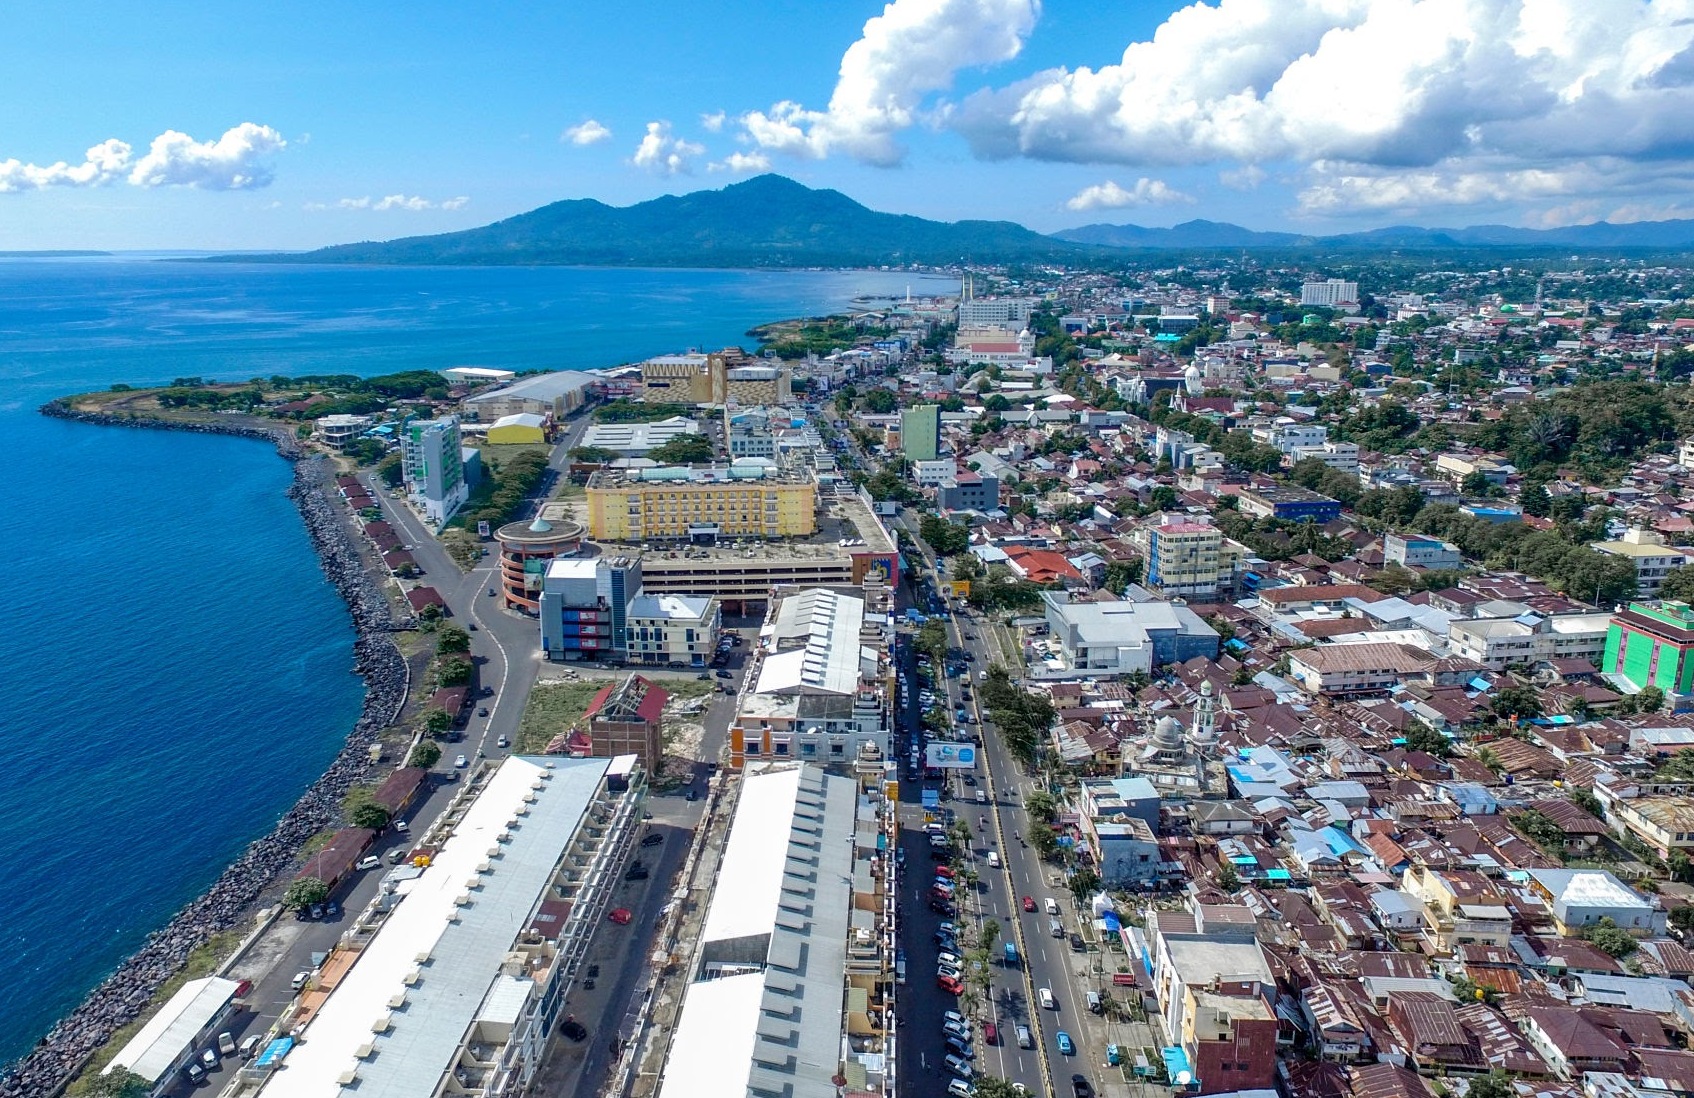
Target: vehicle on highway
{"type": "Point", "coordinates": [1044, 995]}
{"type": "Point", "coordinates": [725, 674]}
{"type": "Point", "coordinates": [1029, 903]}
{"type": "Point", "coordinates": [1056, 928]}
{"type": "Point", "coordinates": [620, 915]}
{"type": "Point", "coordinates": [1081, 1087]}
{"type": "Point", "coordinates": [491, 592]}
{"type": "Point", "coordinates": [1011, 955]}
{"type": "Point", "coordinates": [369, 861]}
{"type": "Point", "coordinates": [990, 1033]}
{"type": "Point", "coordinates": [652, 839]}
{"type": "Point", "coordinates": [1052, 905]}
{"type": "Point", "coordinates": [402, 826]}
{"type": "Point", "coordinates": [482, 712]}
{"type": "Point", "coordinates": [461, 762]}
{"type": "Point", "coordinates": [993, 859]}
{"type": "Point", "coordinates": [1066, 1046]}
{"type": "Point", "coordinates": [502, 742]}
{"type": "Point", "coordinates": [1025, 1038]}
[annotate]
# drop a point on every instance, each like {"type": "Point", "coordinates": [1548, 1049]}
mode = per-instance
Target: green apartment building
{"type": "Point", "coordinates": [1652, 644]}
{"type": "Point", "coordinates": [920, 432]}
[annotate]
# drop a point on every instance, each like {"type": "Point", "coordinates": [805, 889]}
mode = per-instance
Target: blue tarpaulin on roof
{"type": "Point", "coordinates": [1110, 918]}
{"type": "Point", "coordinates": [274, 1051]}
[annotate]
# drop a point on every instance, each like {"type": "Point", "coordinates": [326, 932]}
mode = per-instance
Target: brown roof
{"type": "Point", "coordinates": [398, 787]}
{"type": "Point", "coordinates": [335, 860]}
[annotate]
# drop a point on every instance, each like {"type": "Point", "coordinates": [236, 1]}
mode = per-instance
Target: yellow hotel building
{"type": "Point", "coordinates": [675, 501]}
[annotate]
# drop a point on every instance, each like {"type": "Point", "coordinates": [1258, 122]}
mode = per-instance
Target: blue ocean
{"type": "Point", "coordinates": [179, 668]}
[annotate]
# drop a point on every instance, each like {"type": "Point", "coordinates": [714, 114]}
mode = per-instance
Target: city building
{"type": "Point", "coordinates": [701, 503]}
{"type": "Point", "coordinates": [968, 491]}
{"type": "Point", "coordinates": [1230, 1041]}
{"type": "Point", "coordinates": [174, 1036]}
{"type": "Point", "coordinates": [583, 607]}
{"type": "Point", "coordinates": [526, 548]}
{"type": "Point", "coordinates": [1126, 851]}
{"type": "Point", "coordinates": [1289, 435]}
{"type": "Point", "coordinates": [1529, 638]}
{"type": "Point", "coordinates": [636, 440]}
{"type": "Point", "coordinates": [1418, 551]}
{"type": "Point", "coordinates": [432, 461]}
{"type": "Point", "coordinates": [454, 978]}
{"type": "Point", "coordinates": [1011, 313]}
{"type": "Point", "coordinates": [1330, 293]}
{"type": "Point", "coordinates": [626, 718]}
{"type": "Point", "coordinates": [1665, 823]}
{"type": "Point", "coordinates": [671, 630]}
{"type": "Point", "coordinates": [337, 432]}
{"type": "Point", "coordinates": [477, 375]}
{"type": "Point", "coordinates": [920, 432]}
{"type": "Point", "coordinates": [1457, 467]}
{"type": "Point", "coordinates": [551, 396]}
{"type": "Point", "coordinates": [1289, 503]}
{"type": "Point", "coordinates": [790, 983]}
{"type": "Point", "coordinates": [716, 378]}
{"type": "Point", "coordinates": [1188, 558]}
{"type": "Point", "coordinates": [1363, 668]}
{"type": "Point", "coordinates": [1209, 949]}
{"type": "Point", "coordinates": [932, 474]}
{"type": "Point", "coordinates": [519, 428]}
{"type": "Point", "coordinates": [1119, 638]}
{"type": "Point", "coordinates": [814, 684]}
{"type": "Point", "coordinates": [1649, 644]}
{"type": "Point", "coordinates": [1652, 557]}
{"type": "Point", "coordinates": [1343, 457]}
{"type": "Point", "coordinates": [1580, 898]}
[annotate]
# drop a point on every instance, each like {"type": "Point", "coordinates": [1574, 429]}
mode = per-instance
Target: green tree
{"type": "Point", "coordinates": [1610, 939]}
{"type": "Point", "coordinates": [369, 814]}
{"type": "Point", "coordinates": [1084, 883]}
{"type": "Point", "coordinates": [304, 892]}
{"type": "Point", "coordinates": [1496, 1084]}
{"type": "Point", "coordinates": [992, 1086]}
{"type": "Point", "coordinates": [451, 639]}
{"type": "Point", "coordinates": [1534, 500]}
{"type": "Point", "coordinates": [881, 401]}
{"type": "Point", "coordinates": [437, 720]}
{"type": "Point", "coordinates": [1678, 584]}
{"type": "Point", "coordinates": [1121, 573]}
{"type": "Point", "coordinates": [453, 671]}
{"type": "Point", "coordinates": [943, 537]}
{"type": "Point", "coordinates": [1588, 802]}
{"type": "Point", "coordinates": [1041, 806]}
{"type": "Point", "coordinates": [1650, 700]}
{"type": "Point", "coordinates": [683, 450]}
{"type": "Point", "coordinates": [1682, 917]}
{"type": "Point", "coordinates": [1515, 702]}
{"type": "Point", "coordinates": [426, 754]}
{"type": "Point", "coordinates": [1228, 879]}
{"type": "Point", "coordinates": [594, 455]}
{"type": "Point", "coordinates": [115, 1083]}
{"type": "Point", "coordinates": [391, 471]}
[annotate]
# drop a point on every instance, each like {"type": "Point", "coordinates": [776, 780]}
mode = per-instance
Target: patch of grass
{"type": "Point", "coordinates": [688, 688]}
{"type": "Point", "coordinates": [553, 708]}
{"type": "Point", "coordinates": [317, 842]}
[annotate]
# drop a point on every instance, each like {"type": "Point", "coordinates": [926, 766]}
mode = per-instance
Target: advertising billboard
{"type": "Point", "coordinates": [950, 756]}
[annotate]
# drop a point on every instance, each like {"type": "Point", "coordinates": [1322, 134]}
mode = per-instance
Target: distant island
{"type": "Point", "coordinates": [772, 221]}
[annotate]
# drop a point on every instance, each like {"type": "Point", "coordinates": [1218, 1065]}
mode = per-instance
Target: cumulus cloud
{"type": "Point", "coordinates": [1384, 83]}
{"type": "Point", "coordinates": [588, 132]}
{"type": "Point", "coordinates": [238, 160]}
{"type": "Point", "coordinates": [413, 203]}
{"type": "Point", "coordinates": [712, 123]}
{"type": "Point", "coordinates": [663, 153]}
{"type": "Point", "coordinates": [910, 51]}
{"type": "Point", "coordinates": [741, 162]}
{"type": "Point", "coordinates": [1110, 196]}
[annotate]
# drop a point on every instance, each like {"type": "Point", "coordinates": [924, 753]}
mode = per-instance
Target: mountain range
{"type": "Point", "coordinates": [772, 221]}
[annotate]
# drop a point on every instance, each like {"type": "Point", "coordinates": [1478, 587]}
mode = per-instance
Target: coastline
{"type": "Point", "coordinates": [228, 902]}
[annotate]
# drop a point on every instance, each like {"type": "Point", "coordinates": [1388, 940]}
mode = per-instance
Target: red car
{"type": "Point", "coordinates": [990, 1033]}
{"type": "Point", "coordinates": [1029, 903]}
{"type": "Point", "coordinates": [945, 871]}
{"type": "Point", "coordinates": [620, 915]}
{"type": "Point", "coordinates": [950, 985]}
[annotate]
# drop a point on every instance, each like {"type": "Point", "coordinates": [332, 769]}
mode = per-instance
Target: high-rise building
{"type": "Point", "coordinates": [1188, 558]}
{"type": "Point", "coordinates": [434, 467]}
{"type": "Point", "coordinates": [920, 432]}
{"type": "Point", "coordinates": [1330, 293]}
{"type": "Point", "coordinates": [701, 503]}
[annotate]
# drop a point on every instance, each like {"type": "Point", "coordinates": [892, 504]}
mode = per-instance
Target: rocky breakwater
{"type": "Point", "coordinates": [232, 899]}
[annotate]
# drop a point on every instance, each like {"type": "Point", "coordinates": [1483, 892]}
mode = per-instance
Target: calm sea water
{"type": "Point", "coordinates": [177, 668]}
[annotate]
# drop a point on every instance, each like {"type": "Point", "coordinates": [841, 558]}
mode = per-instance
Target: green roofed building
{"type": "Point", "coordinates": [920, 432]}
{"type": "Point", "coordinates": [1651, 644]}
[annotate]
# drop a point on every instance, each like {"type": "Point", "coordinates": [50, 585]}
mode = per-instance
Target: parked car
{"type": "Point", "coordinates": [953, 1016]}
{"type": "Point", "coordinates": [960, 1048]}
{"type": "Point", "coordinates": [959, 1066]}
{"type": "Point", "coordinates": [1077, 944]}
{"type": "Point", "coordinates": [636, 872]}
{"type": "Point", "coordinates": [949, 985]}
{"type": "Point", "coordinates": [958, 1088]}
{"type": "Point", "coordinates": [946, 958]}
{"type": "Point", "coordinates": [369, 861]}
{"type": "Point", "coordinates": [482, 711]}
{"type": "Point", "coordinates": [210, 1058]}
{"type": "Point", "coordinates": [707, 675]}
{"type": "Point", "coordinates": [990, 1033]}
{"type": "Point", "coordinates": [620, 915]}
{"type": "Point", "coordinates": [652, 839]}
{"type": "Point", "coordinates": [402, 826]}
{"type": "Point", "coordinates": [226, 1043]}
{"type": "Point", "coordinates": [573, 1029]}
{"type": "Point", "coordinates": [955, 1029]}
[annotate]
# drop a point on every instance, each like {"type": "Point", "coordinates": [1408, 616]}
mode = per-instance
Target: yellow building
{"type": "Point", "coordinates": [516, 429]}
{"type": "Point", "coordinates": [715, 378]}
{"type": "Point", "coordinates": [745, 499]}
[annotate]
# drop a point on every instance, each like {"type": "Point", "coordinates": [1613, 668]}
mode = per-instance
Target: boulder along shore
{"type": "Point", "coordinates": [229, 902]}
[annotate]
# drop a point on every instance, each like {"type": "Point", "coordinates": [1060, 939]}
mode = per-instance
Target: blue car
{"type": "Point", "coordinates": [1066, 1048]}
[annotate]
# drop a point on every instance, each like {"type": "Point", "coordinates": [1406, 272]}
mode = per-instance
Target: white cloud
{"type": "Point", "coordinates": [662, 153]}
{"type": "Point", "coordinates": [910, 51]}
{"type": "Point", "coordinates": [413, 203]}
{"type": "Point", "coordinates": [1110, 196]}
{"type": "Point", "coordinates": [712, 123]}
{"type": "Point", "coordinates": [104, 163]}
{"type": "Point", "coordinates": [741, 162]}
{"type": "Point", "coordinates": [1342, 189]}
{"type": "Point", "coordinates": [588, 132]}
{"type": "Point", "coordinates": [238, 160]}
{"type": "Point", "coordinates": [1475, 97]}
{"type": "Point", "coordinates": [1244, 178]}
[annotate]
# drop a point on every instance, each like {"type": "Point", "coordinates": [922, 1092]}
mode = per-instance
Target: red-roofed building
{"type": "Point", "coordinates": [1041, 566]}
{"type": "Point", "coordinates": [625, 718]}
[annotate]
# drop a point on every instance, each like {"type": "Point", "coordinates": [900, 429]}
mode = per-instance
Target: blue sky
{"type": "Point", "coordinates": [188, 125]}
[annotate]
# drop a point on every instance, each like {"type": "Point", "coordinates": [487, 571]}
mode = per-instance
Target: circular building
{"type": "Point", "coordinates": [525, 549]}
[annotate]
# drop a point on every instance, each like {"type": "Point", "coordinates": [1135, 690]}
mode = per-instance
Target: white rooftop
{"type": "Point", "coordinates": [713, 1030]}
{"type": "Point", "coordinates": [813, 644]}
{"type": "Point", "coordinates": [456, 948]}
{"type": "Point", "coordinates": [750, 878]}
{"type": "Point", "coordinates": [671, 607]}
{"type": "Point", "coordinates": [178, 1024]}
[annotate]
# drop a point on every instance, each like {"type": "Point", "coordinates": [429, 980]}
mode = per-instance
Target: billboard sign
{"type": "Point", "coordinates": [950, 756]}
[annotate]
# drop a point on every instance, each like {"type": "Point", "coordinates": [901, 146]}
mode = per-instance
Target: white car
{"type": "Point", "coordinates": [958, 1088]}
{"type": "Point", "coordinates": [950, 972]}
{"type": "Point", "coordinates": [461, 762]}
{"type": "Point", "coordinates": [960, 1067]}
{"type": "Point", "coordinates": [952, 959]}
